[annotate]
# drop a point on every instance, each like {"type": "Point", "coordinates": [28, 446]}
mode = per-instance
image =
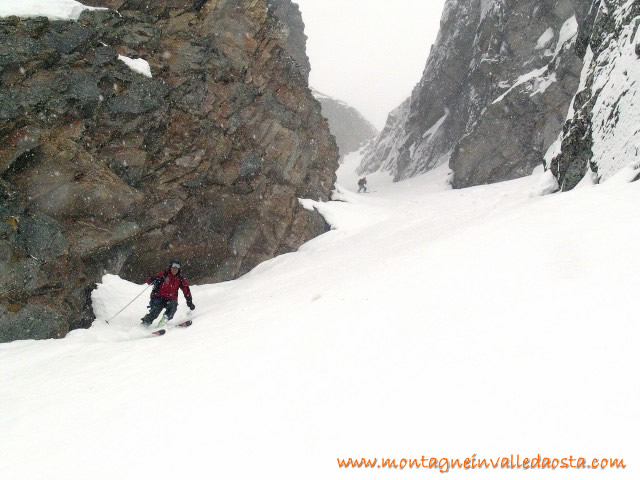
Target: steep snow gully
{"type": "Point", "coordinates": [429, 321]}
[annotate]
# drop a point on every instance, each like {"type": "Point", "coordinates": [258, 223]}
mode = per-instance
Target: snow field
{"type": "Point", "coordinates": [428, 322]}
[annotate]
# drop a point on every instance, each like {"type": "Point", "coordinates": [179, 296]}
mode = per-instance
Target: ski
{"type": "Point", "coordinates": [159, 333]}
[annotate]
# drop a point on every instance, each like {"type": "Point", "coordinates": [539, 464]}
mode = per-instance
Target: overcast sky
{"type": "Point", "coordinates": [369, 53]}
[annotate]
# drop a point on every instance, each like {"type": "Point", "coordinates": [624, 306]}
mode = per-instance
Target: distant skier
{"type": "Point", "coordinates": [165, 293]}
{"type": "Point", "coordinates": [362, 185]}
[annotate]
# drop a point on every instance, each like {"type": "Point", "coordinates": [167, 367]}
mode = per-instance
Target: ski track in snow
{"type": "Point", "coordinates": [429, 321]}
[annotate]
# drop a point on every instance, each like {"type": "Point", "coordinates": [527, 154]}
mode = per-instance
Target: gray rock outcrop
{"type": "Point", "coordinates": [383, 153]}
{"type": "Point", "coordinates": [348, 125]}
{"type": "Point", "coordinates": [494, 94]}
{"type": "Point", "coordinates": [105, 170]}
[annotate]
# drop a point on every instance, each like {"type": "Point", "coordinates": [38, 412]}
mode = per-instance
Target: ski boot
{"type": "Point", "coordinates": [163, 321]}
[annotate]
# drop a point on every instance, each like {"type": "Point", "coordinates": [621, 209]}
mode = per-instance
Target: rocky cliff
{"type": "Point", "coordinates": [602, 134]}
{"type": "Point", "coordinates": [348, 125]}
{"type": "Point", "coordinates": [111, 165]}
{"type": "Point", "coordinates": [494, 95]}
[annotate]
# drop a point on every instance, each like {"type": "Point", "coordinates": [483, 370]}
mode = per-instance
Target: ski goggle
{"type": "Point", "coordinates": [175, 265]}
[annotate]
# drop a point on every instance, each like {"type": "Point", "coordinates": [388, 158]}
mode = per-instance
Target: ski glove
{"type": "Point", "coordinates": [190, 304]}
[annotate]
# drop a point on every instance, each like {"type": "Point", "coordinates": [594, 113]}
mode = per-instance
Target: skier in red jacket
{"type": "Point", "coordinates": [165, 293]}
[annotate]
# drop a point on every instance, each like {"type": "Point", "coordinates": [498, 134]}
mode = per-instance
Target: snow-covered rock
{"type": "Point", "coordinates": [138, 65]}
{"type": "Point", "coordinates": [602, 133]}
{"type": "Point", "coordinates": [382, 154]}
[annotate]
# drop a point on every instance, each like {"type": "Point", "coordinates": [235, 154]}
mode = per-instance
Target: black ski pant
{"type": "Point", "coordinates": [156, 305]}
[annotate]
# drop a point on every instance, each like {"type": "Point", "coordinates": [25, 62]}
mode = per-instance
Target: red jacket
{"type": "Point", "coordinates": [167, 285]}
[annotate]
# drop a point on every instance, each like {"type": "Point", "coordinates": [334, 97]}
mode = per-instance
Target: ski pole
{"type": "Point", "coordinates": [123, 308]}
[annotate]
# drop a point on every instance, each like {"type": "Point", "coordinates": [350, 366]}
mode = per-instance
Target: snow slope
{"type": "Point", "coordinates": [348, 173]}
{"type": "Point", "coordinates": [429, 321]}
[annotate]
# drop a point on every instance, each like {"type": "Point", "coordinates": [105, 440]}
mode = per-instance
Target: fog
{"type": "Point", "coordinates": [369, 53]}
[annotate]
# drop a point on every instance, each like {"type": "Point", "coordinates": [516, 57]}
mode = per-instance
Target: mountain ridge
{"type": "Point", "coordinates": [497, 111]}
{"type": "Point", "coordinates": [351, 129]}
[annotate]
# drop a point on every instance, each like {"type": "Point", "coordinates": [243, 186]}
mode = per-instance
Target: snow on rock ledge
{"type": "Point", "coordinates": [52, 9]}
{"type": "Point", "coordinates": [138, 65]}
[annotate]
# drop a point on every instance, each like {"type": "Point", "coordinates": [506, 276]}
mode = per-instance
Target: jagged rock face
{"type": "Point", "coordinates": [602, 133]}
{"type": "Point", "coordinates": [348, 125]}
{"type": "Point", "coordinates": [494, 94]}
{"type": "Point", "coordinates": [383, 153]}
{"type": "Point", "coordinates": [105, 170]}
